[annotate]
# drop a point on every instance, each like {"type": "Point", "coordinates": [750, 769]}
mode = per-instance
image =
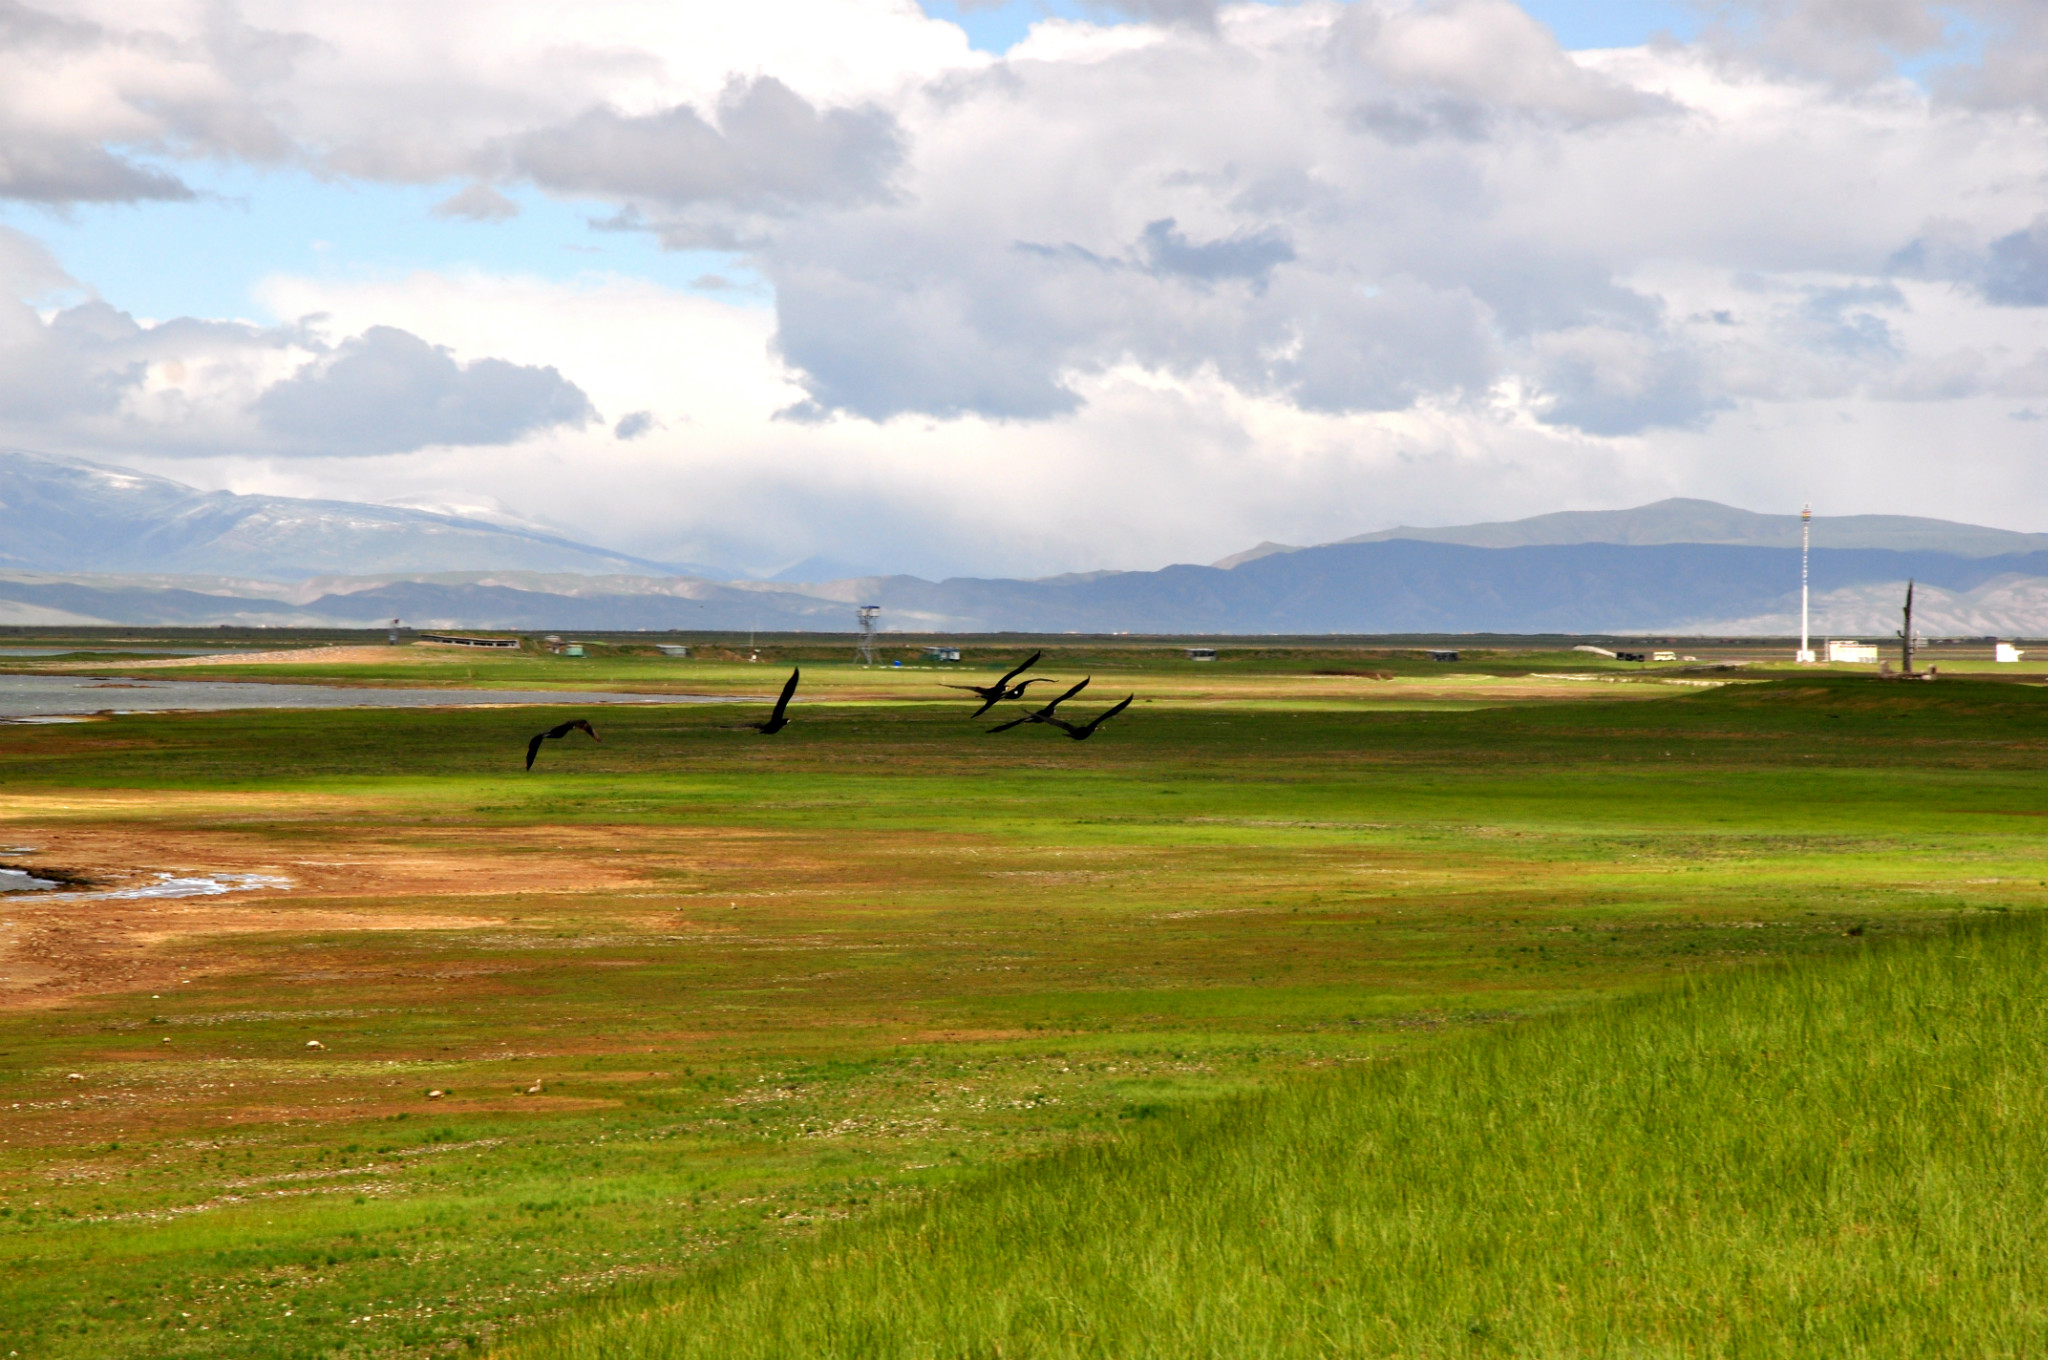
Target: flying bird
{"type": "Point", "coordinates": [776, 720]}
{"type": "Point", "coordinates": [1087, 730]}
{"type": "Point", "coordinates": [563, 730]}
{"type": "Point", "coordinates": [1042, 714]}
{"type": "Point", "coordinates": [1015, 691]}
{"type": "Point", "coordinates": [1002, 689]}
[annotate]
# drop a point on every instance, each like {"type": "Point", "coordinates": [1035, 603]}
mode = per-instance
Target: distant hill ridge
{"type": "Point", "coordinates": [69, 515]}
{"type": "Point", "coordinates": [1684, 520]}
{"type": "Point", "coordinates": [1395, 586]}
{"type": "Point", "coordinates": [87, 543]}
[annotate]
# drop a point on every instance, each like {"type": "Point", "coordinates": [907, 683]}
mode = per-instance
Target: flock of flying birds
{"type": "Point", "coordinates": [1009, 687]}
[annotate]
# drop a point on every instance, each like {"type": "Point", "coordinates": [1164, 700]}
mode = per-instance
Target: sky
{"type": "Point", "coordinates": [972, 288]}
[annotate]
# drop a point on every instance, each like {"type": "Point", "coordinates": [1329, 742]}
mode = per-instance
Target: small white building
{"type": "Point", "coordinates": [1856, 653]}
{"type": "Point", "coordinates": [2005, 651]}
{"type": "Point", "coordinates": [942, 653]}
{"type": "Point", "coordinates": [1200, 653]}
{"type": "Point", "coordinates": [1663, 656]}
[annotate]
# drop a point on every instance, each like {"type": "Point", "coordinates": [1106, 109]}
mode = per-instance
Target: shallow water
{"type": "Point", "coordinates": [166, 885]}
{"type": "Point", "coordinates": [195, 885]}
{"type": "Point", "coordinates": [116, 651]}
{"type": "Point", "coordinates": [21, 880]}
{"type": "Point", "coordinates": [28, 697]}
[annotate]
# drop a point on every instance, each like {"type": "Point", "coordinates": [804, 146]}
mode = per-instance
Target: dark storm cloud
{"type": "Point", "coordinates": [388, 391]}
{"type": "Point", "coordinates": [770, 150]}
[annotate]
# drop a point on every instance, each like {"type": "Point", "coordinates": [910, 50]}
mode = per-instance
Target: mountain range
{"type": "Point", "coordinates": [90, 544]}
{"type": "Point", "coordinates": [67, 515]}
{"type": "Point", "coordinates": [1681, 520]}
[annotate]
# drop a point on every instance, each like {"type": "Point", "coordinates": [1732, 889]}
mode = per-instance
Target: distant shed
{"type": "Point", "coordinates": [457, 640]}
{"type": "Point", "coordinates": [942, 653]}
{"type": "Point", "coordinates": [1443, 656]}
{"type": "Point", "coordinates": [1200, 653]}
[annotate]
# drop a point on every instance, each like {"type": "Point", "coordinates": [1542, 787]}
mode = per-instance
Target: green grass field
{"type": "Point", "coordinates": [884, 999]}
{"type": "Point", "coordinates": [1828, 1158]}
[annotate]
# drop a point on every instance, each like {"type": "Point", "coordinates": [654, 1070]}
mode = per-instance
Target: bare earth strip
{"type": "Point", "coordinates": [297, 657]}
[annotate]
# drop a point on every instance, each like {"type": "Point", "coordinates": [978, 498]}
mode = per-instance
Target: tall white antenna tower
{"type": "Point", "coordinates": [1805, 542]}
{"type": "Point", "coordinates": [866, 614]}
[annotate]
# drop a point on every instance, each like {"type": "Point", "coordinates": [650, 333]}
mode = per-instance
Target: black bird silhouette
{"type": "Point", "coordinates": [1015, 691]}
{"type": "Point", "coordinates": [1002, 689]}
{"type": "Point", "coordinates": [1042, 714]}
{"type": "Point", "coordinates": [1087, 730]}
{"type": "Point", "coordinates": [776, 720]}
{"type": "Point", "coordinates": [563, 730]}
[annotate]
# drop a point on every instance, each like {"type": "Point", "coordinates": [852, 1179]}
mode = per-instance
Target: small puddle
{"type": "Point", "coordinates": [195, 885]}
{"type": "Point", "coordinates": [165, 886]}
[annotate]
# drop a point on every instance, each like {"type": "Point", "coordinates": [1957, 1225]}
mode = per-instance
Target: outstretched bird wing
{"type": "Point", "coordinates": [788, 688]}
{"type": "Point", "coordinates": [1043, 714]}
{"type": "Point", "coordinates": [1047, 710]}
{"type": "Point", "coordinates": [584, 724]}
{"type": "Point", "coordinates": [1014, 692]}
{"type": "Point", "coordinates": [1102, 718]}
{"type": "Point", "coordinates": [1026, 664]}
{"type": "Point", "coordinates": [533, 747]}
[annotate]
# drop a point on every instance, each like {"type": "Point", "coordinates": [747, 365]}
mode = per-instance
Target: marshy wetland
{"type": "Point", "coordinates": [1329, 1001]}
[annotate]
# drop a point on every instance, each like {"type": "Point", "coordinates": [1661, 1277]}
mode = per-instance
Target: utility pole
{"type": "Point", "coordinates": [1906, 635]}
{"type": "Point", "coordinates": [1805, 542]}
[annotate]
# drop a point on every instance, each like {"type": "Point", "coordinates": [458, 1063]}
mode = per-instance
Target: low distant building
{"type": "Point", "coordinates": [1855, 653]}
{"type": "Point", "coordinates": [2005, 651]}
{"type": "Point", "coordinates": [1443, 656]}
{"type": "Point", "coordinates": [1200, 653]}
{"type": "Point", "coordinates": [942, 653]}
{"type": "Point", "coordinates": [1663, 656]}
{"type": "Point", "coordinates": [671, 649]}
{"type": "Point", "coordinates": [457, 640]}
